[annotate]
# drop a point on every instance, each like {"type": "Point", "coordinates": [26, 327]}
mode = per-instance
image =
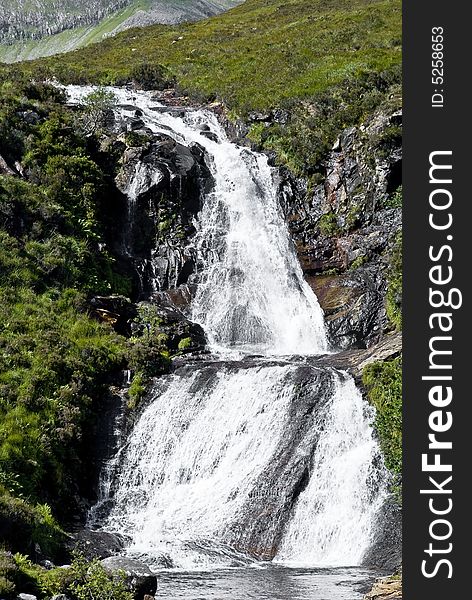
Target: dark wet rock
{"type": "Point", "coordinates": [5, 169]}
{"type": "Point", "coordinates": [179, 297]}
{"type": "Point", "coordinates": [139, 579]}
{"type": "Point", "coordinates": [353, 303]}
{"type": "Point", "coordinates": [118, 311]}
{"type": "Point", "coordinates": [166, 181]}
{"type": "Point", "coordinates": [210, 135]}
{"type": "Point", "coordinates": [181, 335]}
{"type": "Point", "coordinates": [385, 551]}
{"type": "Point", "coordinates": [260, 528]}
{"type": "Point", "coordinates": [31, 117]}
{"type": "Point", "coordinates": [95, 544]}
{"type": "Point", "coordinates": [135, 124]}
{"type": "Point", "coordinates": [345, 226]}
{"type": "Point", "coordinates": [354, 360]}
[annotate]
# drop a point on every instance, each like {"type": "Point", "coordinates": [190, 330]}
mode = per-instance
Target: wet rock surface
{"type": "Point", "coordinates": [138, 577]}
{"type": "Point", "coordinates": [260, 529]}
{"type": "Point", "coordinates": [354, 360]}
{"type": "Point", "coordinates": [386, 550]}
{"type": "Point", "coordinates": [344, 228]}
{"type": "Point", "coordinates": [162, 182]}
{"type": "Point", "coordinates": [96, 544]}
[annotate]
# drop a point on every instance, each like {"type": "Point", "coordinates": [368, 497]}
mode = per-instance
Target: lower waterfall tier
{"type": "Point", "coordinates": [254, 460]}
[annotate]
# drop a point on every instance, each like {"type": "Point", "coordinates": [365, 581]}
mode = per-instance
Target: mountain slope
{"type": "Point", "coordinates": [30, 29]}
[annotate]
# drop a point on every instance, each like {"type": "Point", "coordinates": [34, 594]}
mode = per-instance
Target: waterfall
{"type": "Point", "coordinates": [332, 522]}
{"type": "Point", "coordinates": [241, 458]}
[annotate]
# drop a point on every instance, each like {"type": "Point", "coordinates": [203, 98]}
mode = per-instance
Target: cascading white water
{"type": "Point", "coordinates": [332, 522]}
{"type": "Point", "coordinates": [252, 295]}
{"type": "Point", "coordinates": [198, 452]}
{"type": "Point", "coordinates": [195, 455]}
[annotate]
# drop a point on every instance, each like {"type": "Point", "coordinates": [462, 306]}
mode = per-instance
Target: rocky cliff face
{"type": "Point", "coordinates": [31, 30]}
{"type": "Point", "coordinates": [345, 227]}
{"type": "Point", "coordinates": [164, 182]}
{"type": "Point", "coordinates": [22, 20]}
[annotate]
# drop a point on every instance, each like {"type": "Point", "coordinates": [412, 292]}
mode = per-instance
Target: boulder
{"type": "Point", "coordinates": [96, 544]}
{"type": "Point", "coordinates": [210, 135]}
{"type": "Point", "coordinates": [27, 597]}
{"type": "Point", "coordinates": [116, 310]}
{"type": "Point", "coordinates": [139, 578]}
{"type": "Point", "coordinates": [5, 169]}
{"type": "Point", "coordinates": [180, 334]}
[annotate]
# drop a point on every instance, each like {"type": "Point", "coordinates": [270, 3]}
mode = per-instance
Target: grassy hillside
{"type": "Point", "coordinates": [69, 38]}
{"type": "Point", "coordinates": [254, 56]}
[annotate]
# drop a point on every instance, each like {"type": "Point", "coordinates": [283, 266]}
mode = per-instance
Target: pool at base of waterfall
{"type": "Point", "coordinates": [267, 583]}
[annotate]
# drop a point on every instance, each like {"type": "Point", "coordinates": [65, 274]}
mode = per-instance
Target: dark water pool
{"type": "Point", "coordinates": [269, 583]}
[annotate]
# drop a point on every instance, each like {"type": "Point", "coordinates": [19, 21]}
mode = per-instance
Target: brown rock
{"type": "Point", "coordinates": [386, 589]}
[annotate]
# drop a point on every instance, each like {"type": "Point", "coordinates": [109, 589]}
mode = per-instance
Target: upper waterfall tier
{"type": "Point", "coordinates": [252, 296]}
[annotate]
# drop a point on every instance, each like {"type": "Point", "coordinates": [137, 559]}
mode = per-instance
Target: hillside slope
{"type": "Point", "coordinates": [29, 30]}
{"type": "Point", "coordinates": [253, 56]}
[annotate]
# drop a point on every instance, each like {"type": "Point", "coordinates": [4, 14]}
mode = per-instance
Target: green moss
{"type": "Point", "coordinates": [358, 262]}
{"type": "Point", "coordinates": [8, 576]}
{"type": "Point", "coordinates": [395, 200]}
{"type": "Point", "coordinates": [136, 391]}
{"type": "Point", "coordinates": [24, 525]}
{"type": "Point", "coordinates": [352, 218]}
{"type": "Point", "coordinates": [7, 588]}
{"type": "Point", "coordinates": [389, 137]}
{"type": "Point", "coordinates": [256, 133]}
{"type": "Point", "coordinates": [328, 225]}
{"type": "Point", "coordinates": [135, 139]}
{"type": "Point", "coordinates": [185, 343]}
{"type": "Point", "coordinates": [383, 381]}
{"type": "Point", "coordinates": [395, 283]}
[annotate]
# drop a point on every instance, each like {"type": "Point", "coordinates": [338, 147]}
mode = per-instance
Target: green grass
{"type": "Point", "coordinates": [82, 580]}
{"type": "Point", "coordinates": [254, 56]}
{"type": "Point", "coordinates": [393, 298]}
{"type": "Point", "coordinates": [383, 381]}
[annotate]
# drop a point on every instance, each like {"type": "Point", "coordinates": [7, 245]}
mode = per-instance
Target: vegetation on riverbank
{"type": "Point", "coordinates": [55, 360]}
{"type": "Point", "coordinates": [82, 580]}
{"type": "Point", "coordinates": [383, 381]}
